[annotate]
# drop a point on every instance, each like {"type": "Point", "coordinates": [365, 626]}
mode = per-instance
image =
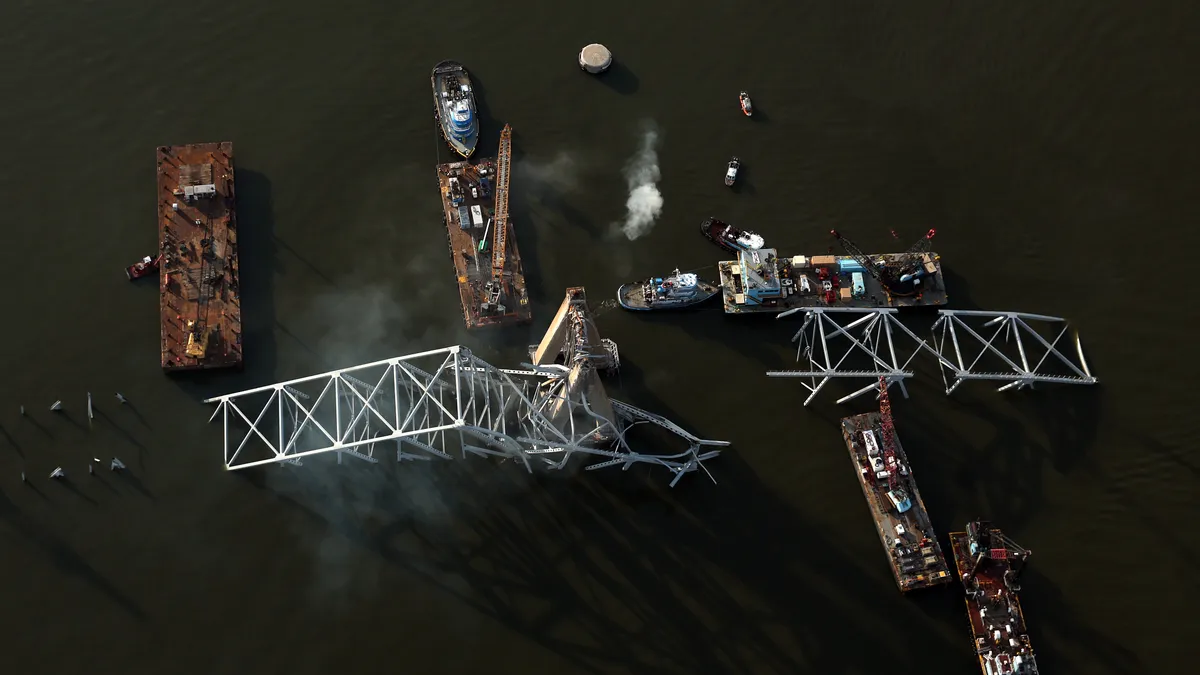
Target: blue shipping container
{"type": "Point", "coordinates": [464, 217]}
{"type": "Point", "coordinates": [858, 289]}
{"type": "Point", "coordinates": [847, 265]}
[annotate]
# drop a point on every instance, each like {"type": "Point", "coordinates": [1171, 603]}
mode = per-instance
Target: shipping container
{"type": "Point", "coordinates": [856, 282]}
{"type": "Point", "coordinates": [477, 216]}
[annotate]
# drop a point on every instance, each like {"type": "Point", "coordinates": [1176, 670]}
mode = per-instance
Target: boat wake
{"type": "Point", "coordinates": [645, 202]}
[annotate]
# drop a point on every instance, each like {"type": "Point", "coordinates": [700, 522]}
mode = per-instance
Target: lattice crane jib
{"type": "Point", "coordinates": [861, 258]}
{"type": "Point", "coordinates": [888, 430]}
{"type": "Point", "coordinates": [500, 217]}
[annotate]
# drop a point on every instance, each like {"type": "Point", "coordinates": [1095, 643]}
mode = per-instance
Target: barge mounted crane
{"type": "Point", "coordinates": [762, 280]}
{"type": "Point", "coordinates": [491, 284]}
{"type": "Point", "coordinates": [989, 564]}
{"type": "Point", "coordinates": [496, 287]}
{"type": "Point", "coordinates": [887, 482]}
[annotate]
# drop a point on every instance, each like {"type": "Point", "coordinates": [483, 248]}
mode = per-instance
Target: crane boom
{"type": "Point", "coordinates": [888, 431]}
{"type": "Point", "coordinates": [500, 218]}
{"type": "Point", "coordinates": [912, 256]}
{"type": "Point", "coordinates": [855, 252]}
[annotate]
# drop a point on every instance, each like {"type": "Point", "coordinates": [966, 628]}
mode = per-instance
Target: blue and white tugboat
{"type": "Point", "coordinates": [454, 102]}
{"type": "Point", "coordinates": [676, 291]}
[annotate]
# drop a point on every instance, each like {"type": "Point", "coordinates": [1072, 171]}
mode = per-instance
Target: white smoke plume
{"type": "Point", "coordinates": [645, 202]}
{"type": "Point", "coordinates": [559, 174]}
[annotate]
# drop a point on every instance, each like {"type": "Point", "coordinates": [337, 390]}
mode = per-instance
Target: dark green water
{"type": "Point", "coordinates": [1054, 148]}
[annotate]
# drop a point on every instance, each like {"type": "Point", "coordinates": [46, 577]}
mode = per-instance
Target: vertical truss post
{"type": "Point", "coordinates": [415, 399]}
{"type": "Point", "coordinates": [953, 334]}
{"type": "Point", "coordinates": [831, 335]}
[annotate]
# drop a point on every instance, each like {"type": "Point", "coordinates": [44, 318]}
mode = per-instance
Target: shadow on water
{"type": "Point", "coordinates": [70, 486]}
{"type": "Point", "coordinates": [64, 558]}
{"type": "Point", "coordinates": [489, 127]}
{"type": "Point", "coordinates": [524, 230]}
{"type": "Point", "coordinates": [758, 337]}
{"type": "Point", "coordinates": [958, 290]}
{"type": "Point", "coordinates": [258, 256]}
{"type": "Point", "coordinates": [613, 570]}
{"type": "Point", "coordinates": [1049, 612]}
{"type": "Point", "coordinates": [619, 77]}
{"type": "Point", "coordinates": [8, 438]}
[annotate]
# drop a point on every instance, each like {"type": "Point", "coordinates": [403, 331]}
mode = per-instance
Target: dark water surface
{"type": "Point", "coordinates": [1054, 146]}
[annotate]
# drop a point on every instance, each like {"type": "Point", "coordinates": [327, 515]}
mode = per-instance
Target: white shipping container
{"type": "Point", "coordinates": [871, 442]}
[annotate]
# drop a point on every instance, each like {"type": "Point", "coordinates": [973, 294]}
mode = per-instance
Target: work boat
{"type": "Point", "coordinates": [729, 237]}
{"type": "Point", "coordinates": [454, 103]}
{"type": "Point", "coordinates": [731, 173]}
{"type": "Point", "coordinates": [747, 106]}
{"type": "Point", "coordinates": [676, 291]}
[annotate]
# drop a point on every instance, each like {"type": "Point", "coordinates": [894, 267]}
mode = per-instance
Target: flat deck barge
{"type": "Point", "coordinates": [487, 264]}
{"type": "Point", "coordinates": [199, 301]}
{"type": "Point", "coordinates": [988, 564]}
{"type": "Point", "coordinates": [760, 281]}
{"type": "Point", "coordinates": [904, 529]}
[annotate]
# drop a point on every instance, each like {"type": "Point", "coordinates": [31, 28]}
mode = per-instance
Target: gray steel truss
{"type": "Point", "coordinates": [955, 340]}
{"type": "Point", "coordinates": [860, 343]}
{"type": "Point", "coordinates": [426, 403]}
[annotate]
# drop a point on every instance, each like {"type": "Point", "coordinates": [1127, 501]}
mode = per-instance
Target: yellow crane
{"type": "Point", "coordinates": [500, 217]}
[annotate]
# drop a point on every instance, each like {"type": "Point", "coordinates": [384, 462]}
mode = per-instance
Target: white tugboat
{"type": "Point", "coordinates": [676, 291]}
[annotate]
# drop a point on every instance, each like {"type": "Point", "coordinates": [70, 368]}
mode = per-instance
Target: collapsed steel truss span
{"type": "Point", "coordinates": [426, 402]}
{"type": "Point", "coordinates": [867, 349]}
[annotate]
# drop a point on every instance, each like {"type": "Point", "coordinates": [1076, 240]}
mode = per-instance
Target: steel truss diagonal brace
{"type": "Point", "coordinates": [851, 343]}
{"type": "Point", "coordinates": [426, 403]}
{"type": "Point", "coordinates": [953, 334]}
{"type": "Point", "coordinates": [830, 336]}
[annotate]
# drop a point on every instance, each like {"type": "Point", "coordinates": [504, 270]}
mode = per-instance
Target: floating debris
{"type": "Point", "coordinates": [91, 470]}
{"type": "Point", "coordinates": [58, 473]}
{"type": "Point", "coordinates": [56, 406]}
{"type": "Point", "coordinates": [121, 398]}
{"type": "Point", "coordinates": [22, 411]}
{"type": "Point", "coordinates": [117, 465]}
{"type": "Point", "coordinates": [23, 477]}
{"type": "Point", "coordinates": [90, 415]}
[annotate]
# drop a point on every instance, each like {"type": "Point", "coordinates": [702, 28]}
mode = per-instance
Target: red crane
{"type": "Point", "coordinates": [888, 431]}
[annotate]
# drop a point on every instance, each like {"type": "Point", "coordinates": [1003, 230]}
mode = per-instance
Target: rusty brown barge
{"type": "Point", "coordinates": [887, 483]}
{"type": "Point", "coordinates": [487, 264]}
{"type": "Point", "coordinates": [199, 301]}
{"type": "Point", "coordinates": [989, 565]}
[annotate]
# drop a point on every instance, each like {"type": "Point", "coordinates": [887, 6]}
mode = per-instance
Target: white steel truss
{"type": "Point", "coordinates": [426, 402]}
{"type": "Point", "coordinates": [955, 333]}
{"type": "Point", "coordinates": [873, 344]}
{"type": "Point", "coordinates": [868, 336]}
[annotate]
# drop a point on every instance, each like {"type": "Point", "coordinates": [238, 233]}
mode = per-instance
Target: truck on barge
{"type": "Point", "coordinates": [760, 281]}
{"type": "Point", "coordinates": [487, 264]}
{"type": "Point", "coordinates": [989, 564]}
{"type": "Point", "coordinates": [200, 306]}
{"type": "Point", "coordinates": [887, 483]}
